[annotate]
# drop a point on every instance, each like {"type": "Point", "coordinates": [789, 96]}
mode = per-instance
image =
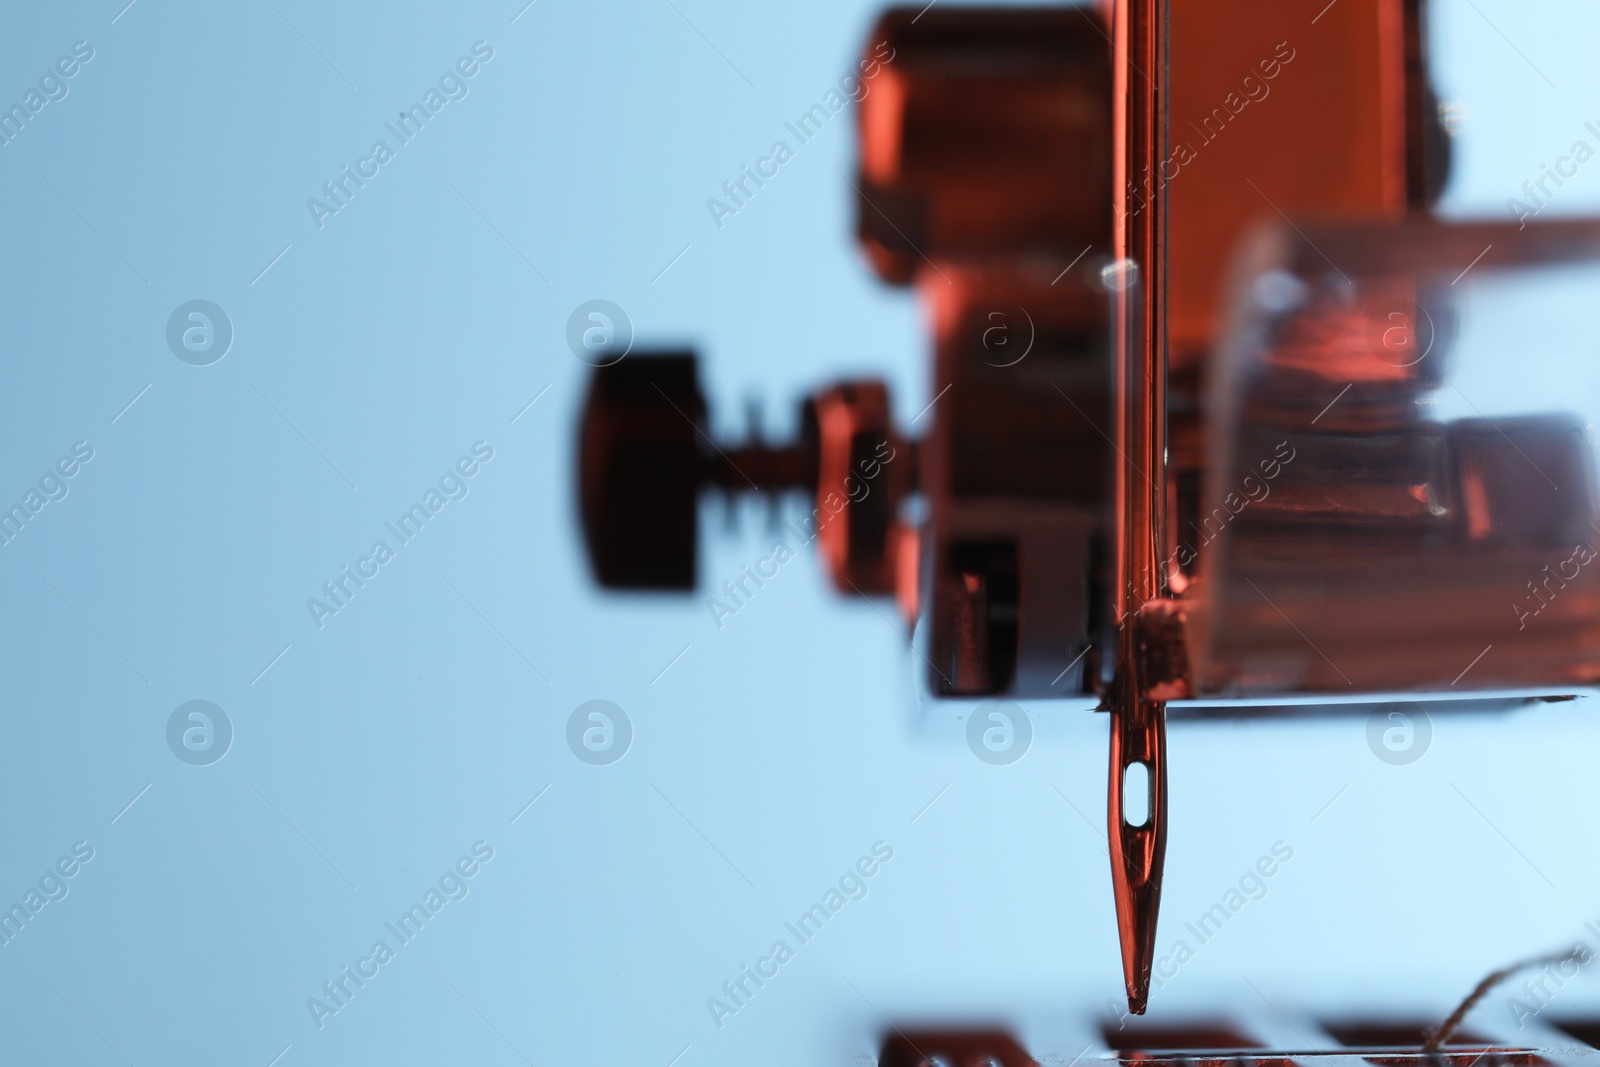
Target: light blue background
{"type": "Point", "coordinates": [768, 758]}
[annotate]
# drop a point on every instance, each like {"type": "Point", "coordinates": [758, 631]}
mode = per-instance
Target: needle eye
{"type": "Point", "coordinates": [1136, 794]}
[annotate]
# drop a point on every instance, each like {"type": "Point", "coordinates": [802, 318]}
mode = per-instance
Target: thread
{"type": "Point", "coordinates": [1448, 1028]}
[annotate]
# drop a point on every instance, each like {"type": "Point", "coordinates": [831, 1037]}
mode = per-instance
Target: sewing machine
{"type": "Point", "coordinates": [1221, 414]}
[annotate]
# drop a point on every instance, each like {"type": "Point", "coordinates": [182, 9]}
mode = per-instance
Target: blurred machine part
{"type": "Point", "coordinates": [1238, 1038]}
{"type": "Point", "coordinates": [985, 177]}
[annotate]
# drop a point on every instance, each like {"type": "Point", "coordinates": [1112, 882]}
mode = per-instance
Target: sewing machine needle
{"type": "Point", "coordinates": [1138, 284]}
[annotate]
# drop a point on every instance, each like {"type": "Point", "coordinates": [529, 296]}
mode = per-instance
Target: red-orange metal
{"type": "Point", "coordinates": [1138, 725]}
{"type": "Point", "coordinates": [1273, 112]}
